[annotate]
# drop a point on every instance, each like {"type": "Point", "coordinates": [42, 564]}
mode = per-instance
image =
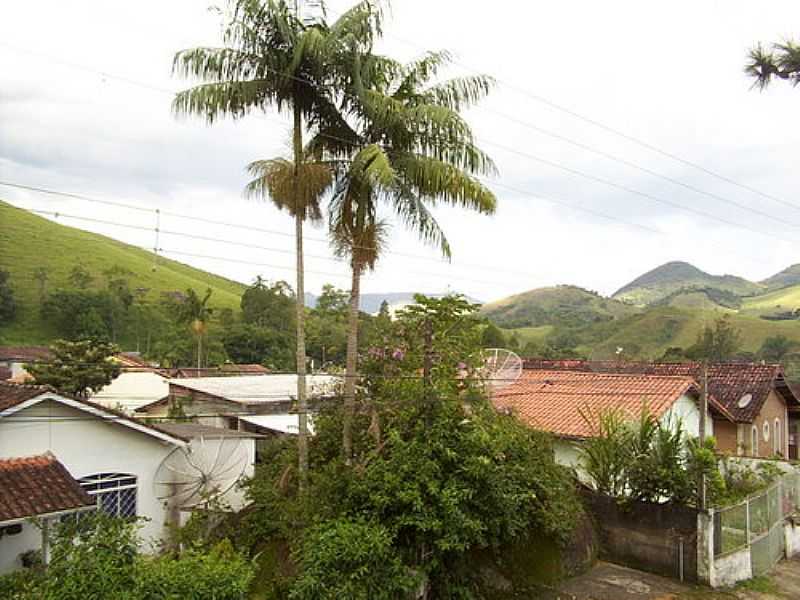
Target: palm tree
{"type": "Point", "coordinates": [273, 58]}
{"type": "Point", "coordinates": [409, 147]}
{"type": "Point", "coordinates": [195, 312]}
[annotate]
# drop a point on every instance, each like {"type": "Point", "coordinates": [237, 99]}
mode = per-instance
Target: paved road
{"type": "Point", "coordinates": [612, 582]}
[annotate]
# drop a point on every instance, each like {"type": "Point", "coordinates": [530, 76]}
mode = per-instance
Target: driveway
{"type": "Point", "coordinates": [607, 581]}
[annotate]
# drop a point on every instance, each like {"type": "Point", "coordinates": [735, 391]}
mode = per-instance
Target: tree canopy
{"type": "Point", "coordinates": [77, 368]}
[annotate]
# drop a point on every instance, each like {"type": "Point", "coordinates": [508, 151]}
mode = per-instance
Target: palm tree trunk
{"type": "Point", "coordinates": [199, 352]}
{"type": "Point", "coordinates": [302, 402]}
{"type": "Point", "coordinates": [351, 364]}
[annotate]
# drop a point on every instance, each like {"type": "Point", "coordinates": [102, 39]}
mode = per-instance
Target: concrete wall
{"type": "Point", "coordinates": [727, 435]}
{"type": "Point", "coordinates": [774, 409]}
{"type": "Point", "coordinates": [686, 412]}
{"type": "Point", "coordinates": [650, 537]}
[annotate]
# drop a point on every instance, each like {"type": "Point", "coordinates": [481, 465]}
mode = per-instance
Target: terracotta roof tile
{"type": "Point", "coordinates": [727, 382]}
{"type": "Point", "coordinates": [25, 353]}
{"type": "Point", "coordinates": [38, 485]}
{"type": "Point", "coordinates": [12, 394]}
{"type": "Point", "coordinates": [568, 403]}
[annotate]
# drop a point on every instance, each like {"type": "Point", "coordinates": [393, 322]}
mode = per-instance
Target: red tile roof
{"type": "Point", "coordinates": [38, 485]}
{"type": "Point", "coordinates": [25, 353]}
{"type": "Point", "coordinates": [727, 382]}
{"type": "Point", "coordinates": [12, 394]}
{"type": "Point", "coordinates": [5, 373]}
{"type": "Point", "coordinates": [568, 403]}
{"type": "Point", "coordinates": [245, 369]}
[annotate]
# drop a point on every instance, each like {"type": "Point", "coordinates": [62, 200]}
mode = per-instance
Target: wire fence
{"type": "Point", "coordinates": [758, 523]}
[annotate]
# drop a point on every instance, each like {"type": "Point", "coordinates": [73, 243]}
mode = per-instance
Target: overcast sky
{"type": "Point", "coordinates": [667, 73]}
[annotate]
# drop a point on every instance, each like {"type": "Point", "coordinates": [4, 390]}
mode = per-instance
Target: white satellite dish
{"type": "Point", "coordinates": [205, 469]}
{"type": "Point", "coordinates": [503, 367]}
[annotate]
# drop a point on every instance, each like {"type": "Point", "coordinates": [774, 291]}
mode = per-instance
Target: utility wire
{"type": "Point", "coordinates": [539, 159]}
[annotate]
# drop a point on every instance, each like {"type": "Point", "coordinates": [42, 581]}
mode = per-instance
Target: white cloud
{"type": "Point", "coordinates": [669, 73]}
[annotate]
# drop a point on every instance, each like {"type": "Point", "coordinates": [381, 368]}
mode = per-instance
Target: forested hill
{"type": "Point", "coordinates": [40, 254]}
{"type": "Point", "coordinates": [672, 277]}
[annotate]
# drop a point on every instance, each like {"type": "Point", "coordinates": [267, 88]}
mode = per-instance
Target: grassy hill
{"type": "Point", "coordinates": [563, 305]}
{"type": "Point", "coordinates": [786, 278]}
{"type": "Point", "coordinates": [28, 242]}
{"type": "Point", "coordinates": [672, 277]}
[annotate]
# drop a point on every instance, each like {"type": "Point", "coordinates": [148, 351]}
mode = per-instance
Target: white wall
{"type": "Point", "coordinates": [686, 412]}
{"type": "Point", "coordinates": [85, 445]}
{"type": "Point", "coordinates": [133, 389]}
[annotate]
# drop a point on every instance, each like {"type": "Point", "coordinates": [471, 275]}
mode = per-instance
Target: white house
{"type": "Point", "coordinates": [129, 468]}
{"type": "Point", "coordinates": [221, 401]}
{"type": "Point", "coordinates": [569, 404]}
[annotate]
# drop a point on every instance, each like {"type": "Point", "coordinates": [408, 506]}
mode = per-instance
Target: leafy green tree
{"type": "Point", "coordinates": [777, 348]}
{"type": "Point", "coordinates": [98, 557]}
{"type": "Point", "coordinates": [77, 368]}
{"type": "Point", "coordinates": [269, 305]}
{"type": "Point", "coordinates": [80, 277]}
{"type": "Point", "coordinates": [782, 61]}
{"type": "Point", "coordinates": [718, 343]}
{"type": "Point", "coordinates": [405, 144]}
{"type": "Point", "coordinates": [251, 344]}
{"type": "Point", "coordinates": [674, 354]}
{"type": "Point", "coordinates": [493, 337]}
{"type": "Point", "coordinates": [8, 305]}
{"type": "Point", "coordinates": [273, 57]}
{"type": "Point", "coordinates": [117, 279]}
{"type": "Point", "coordinates": [351, 559]}
{"type": "Point", "coordinates": [383, 311]}
{"type": "Point", "coordinates": [84, 314]}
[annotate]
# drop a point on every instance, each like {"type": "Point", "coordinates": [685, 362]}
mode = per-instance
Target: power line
{"type": "Point", "coordinates": [550, 163]}
{"type": "Point", "coordinates": [596, 123]}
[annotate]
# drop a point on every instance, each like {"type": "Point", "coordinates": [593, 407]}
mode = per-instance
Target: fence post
{"type": "Point", "coordinates": [747, 520]}
{"type": "Point", "coordinates": [705, 546]}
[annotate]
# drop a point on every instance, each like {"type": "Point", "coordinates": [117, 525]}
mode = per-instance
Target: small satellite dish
{"type": "Point", "coordinates": [200, 472]}
{"type": "Point", "coordinates": [503, 367]}
{"type": "Point", "coordinates": [745, 400]}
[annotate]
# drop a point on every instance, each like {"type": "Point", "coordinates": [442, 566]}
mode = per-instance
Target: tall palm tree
{"type": "Point", "coordinates": [405, 145]}
{"type": "Point", "coordinates": [273, 58]}
{"type": "Point", "coordinates": [195, 312]}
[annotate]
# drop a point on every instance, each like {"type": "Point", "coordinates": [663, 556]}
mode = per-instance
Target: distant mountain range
{"type": "Point", "coordinates": [665, 307]}
{"type": "Point", "coordinates": [371, 303]}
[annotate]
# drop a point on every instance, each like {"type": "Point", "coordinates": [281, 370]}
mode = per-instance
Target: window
{"type": "Point", "coordinates": [766, 431]}
{"type": "Point", "coordinates": [115, 493]}
{"type": "Point", "coordinates": [754, 441]}
{"type": "Point", "coordinates": [777, 437]}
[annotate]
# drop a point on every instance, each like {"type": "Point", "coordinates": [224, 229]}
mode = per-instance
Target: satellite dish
{"type": "Point", "coordinates": [745, 400]}
{"type": "Point", "coordinates": [503, 367]}
{"type": "Point", "coordinates": [201, 471]}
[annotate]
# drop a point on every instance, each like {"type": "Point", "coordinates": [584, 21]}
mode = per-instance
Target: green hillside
{"type": "Point", "coordinates": [786, 278]}
{"type": "Point", "coordinates": [29, 242]}
{"type": "Point", "coordinates": [672, 277]}
{"type": "Point", "coordinates": [563, 305]}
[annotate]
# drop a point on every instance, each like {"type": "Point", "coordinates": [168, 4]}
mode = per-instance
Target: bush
{"type": "Point", "coordinates": [220, 574]}
{"type": "Point", "coordinates": [351, 559]}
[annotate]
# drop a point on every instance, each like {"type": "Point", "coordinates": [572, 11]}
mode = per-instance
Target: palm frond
{"type": "Point", "coordinates": [459, 93]}
{"type": "Point", "coordinates": [298, 191]}
{"type": "Point", "coordinates": [212, 100]}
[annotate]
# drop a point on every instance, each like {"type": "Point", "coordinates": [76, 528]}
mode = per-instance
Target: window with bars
{"type": "Point", "coordinates": [115, 493]}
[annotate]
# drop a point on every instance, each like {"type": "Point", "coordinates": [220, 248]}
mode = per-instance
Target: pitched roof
{"type": "Point", "coordinates": [561, 402]}
{"type": "Point", "coordinates": [5, 373]}
{"type": "Point", "coordinates": [25, 353]}
{"type": "Point", "coordinates": [728, 383]}
{"type": "Point", "coordinates": [195, 430]}
{"type": "Point", "coordinates": [257, 389]}
{"type": "Point", "coordinates": [13, 395]}
{"type": "Point", "coordinates": [244, 369]}
{"type": "Point", "coordinates": [38, 485]}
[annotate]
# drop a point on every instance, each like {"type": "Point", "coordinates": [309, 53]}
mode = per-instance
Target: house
{"type": "Point", "coordinates": [221, 401]}
{"type": "Point", "coordinates": [138, 383]}
{"type": "Point", "coordinates": [14, 358]}
{"type": "Point", "coordinates": [37, 487]}
{"type": "Point", "coordinates": [129, 468]}
{"type": "Point", "coordinates": [569, 404]}
{"type": "Point", "coordinates": [765, 410]}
